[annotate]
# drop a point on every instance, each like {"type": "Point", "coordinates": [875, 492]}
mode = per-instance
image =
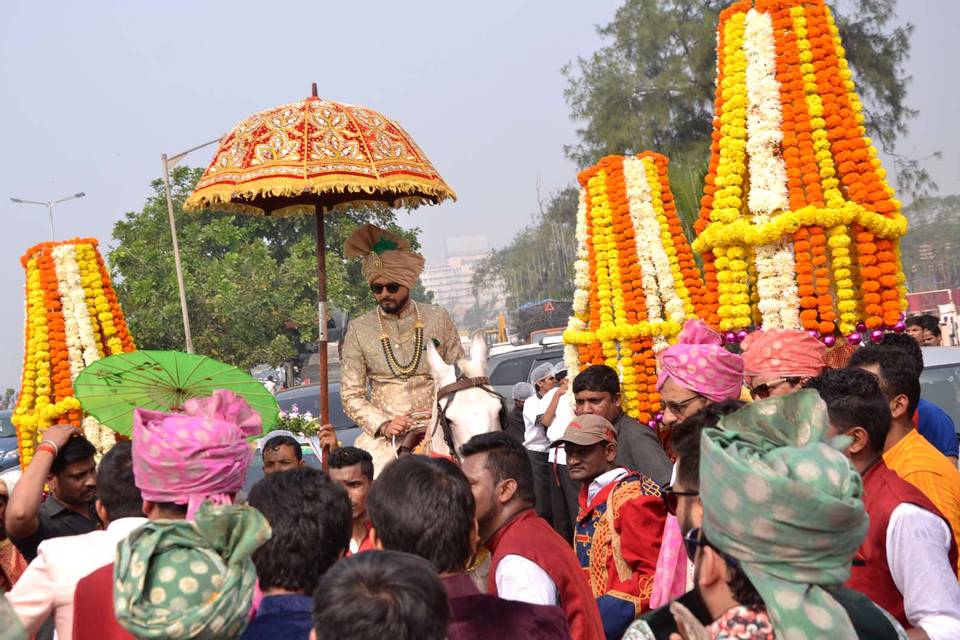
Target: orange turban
{"type": "Point", "coordinates": [384, 255]}
{"type": "Point", "coordinates": [783, 352]}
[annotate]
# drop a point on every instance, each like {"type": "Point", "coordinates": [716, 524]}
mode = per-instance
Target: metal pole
{"type": "Point", "coordinates": [176, 257]}
{"type": "Point", "coordinates": [53, 236]}
{"type": "Point", "coordinates": [322, 325]}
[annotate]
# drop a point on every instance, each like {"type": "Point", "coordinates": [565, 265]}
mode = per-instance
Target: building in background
{"type": "Point", "coordinates": [451, 282]}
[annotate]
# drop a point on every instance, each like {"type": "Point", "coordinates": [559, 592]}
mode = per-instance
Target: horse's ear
{"type": "Point", "coordinates": [478, 351]}
{"type": "Point", "coordinates": [438, 368]}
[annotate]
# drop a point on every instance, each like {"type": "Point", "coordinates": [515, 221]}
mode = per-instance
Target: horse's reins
{"type": "Point", "coordinates": [451, 390]}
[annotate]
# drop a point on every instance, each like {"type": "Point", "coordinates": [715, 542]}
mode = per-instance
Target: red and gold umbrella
{"type": "Point", "coordinates": [312, 157]}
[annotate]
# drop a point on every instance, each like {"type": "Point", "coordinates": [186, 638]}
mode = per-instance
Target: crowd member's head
{"type": "Point", "coordinates": [73, 474]}
{"type": "Point", "coordinates": [117, 492]}
{"type": "Point", "coordinates": [542, 378]}
{"type": "Point", "coordinates": [424, 506]}
{"type": "Point", "coordinates": [925, 329]}
{"type": "Point", "coordinates": [281, 452]}
{"type": "Point", "coordinates": [907, 345]}
{"type": "Point", "coordinates": [501, 478]}
{"type": "Point", "coordinates": [778, 361]}
{"type": "Point", "coordinates": [520, 392]}
{"type": "Point", "coordinates": [857, 408]}
{"type": "Point", "coordinates": [352, 469]}
{"type": "Point", "coordinates": [597, 392]}
{"type": "Point", "coordinates": [381, 594]}
{"type": "Point", "coordinates": [311, 522]}
{"type": "Point", "coordinates": [683, 497]}
{"type": "Point", "coordinates": [695, 372]}
{"type": "Point", "coordinates": [198, 455]}
{"type": "Point", "coordinates": [784, 508]}
{"type": "Point", "coordinates": [898, 377]}
{"type": "Point", "coordinates": [389, 265]}
{"type": "Point", "coordinates": [590, 442]}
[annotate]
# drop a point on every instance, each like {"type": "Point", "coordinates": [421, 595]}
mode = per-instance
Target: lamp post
{"type": "Point", "coordinates": [169, 162]}
{"type": "Point", "coordinates": [50, 204]}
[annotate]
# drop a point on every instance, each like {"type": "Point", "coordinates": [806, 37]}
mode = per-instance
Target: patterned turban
{"type": "Point", "coordinates": [788, 507]}
{"type": "Point", "coordinates": [783, 352]}
{"type": "Point", "coordinates": [178, 579]}
{"type": "Point", "coordinates": [699, 362]}
{"type": "Point", "coordinates": [384, 255]}
{"type": "Point", "coordinates": [200, 454]}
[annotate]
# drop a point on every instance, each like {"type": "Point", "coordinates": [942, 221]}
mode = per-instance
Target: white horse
{"type": "Point", "coordinates": [468, 404]}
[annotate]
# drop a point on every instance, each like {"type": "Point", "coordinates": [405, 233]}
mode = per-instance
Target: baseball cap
{"type": "Point", "coordinates": [587, 430]}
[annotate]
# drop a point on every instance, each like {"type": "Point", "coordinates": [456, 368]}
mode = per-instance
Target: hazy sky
{"type": "Point", "coordinates": [91, 93]}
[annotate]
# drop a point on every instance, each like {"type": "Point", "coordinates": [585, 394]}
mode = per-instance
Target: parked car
{"type": "Point", "coordinates": [940, 381]}
{"type": "Point", "coordinates": [306, 398]}
{"type": "Point", "coordinates": [507, 369]}
{"type": "Point", "coordinates": [9, 454]}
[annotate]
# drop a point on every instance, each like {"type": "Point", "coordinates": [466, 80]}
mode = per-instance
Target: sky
{"type": "Point", "coordinates": [91, 93]}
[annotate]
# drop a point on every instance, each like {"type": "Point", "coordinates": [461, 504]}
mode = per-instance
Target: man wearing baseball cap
{"type": "Point", "coordinates": [620, 525]}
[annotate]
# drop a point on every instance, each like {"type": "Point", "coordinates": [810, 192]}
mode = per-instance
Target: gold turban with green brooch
{"type": "Point", "coordinates": [787, 506]}
{"type": "Point", "coordinates": [385, 255]}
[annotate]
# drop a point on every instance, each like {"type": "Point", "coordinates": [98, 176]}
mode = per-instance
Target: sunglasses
{"type": "Point", "coordinates": [671, 498]}
{"type": "Point", "coordinates": [762, 391]}
{"type": "Point", "coordinates": [694, 540]}
{"type": "Point", "coordinates": [391, 287]}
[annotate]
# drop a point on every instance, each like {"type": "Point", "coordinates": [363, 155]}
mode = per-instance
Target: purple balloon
{"type": "Point", "coordinates": [900, 327]}
{"type": "Point", "coordinates": [814, 334]}
{"type": "Point", "coordinates": [854, 339]}
{"type": "Point", "coordinates": [829, 340]}
{"type": "Point", "coordinates": [742, 335]}
{"type": "Point", "coordinates": [861, 327]}
{"type": "Point", "coordinates": [659, 416]}
{"type": "Point", "coordinates": [729, 337]}
{"type": "Point", "coordinates": [877, 335]}
{"type": "Point", "coordinates": [652, 424]}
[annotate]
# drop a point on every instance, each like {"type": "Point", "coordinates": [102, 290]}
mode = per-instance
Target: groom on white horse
{"type": "Point", "coordinates": [386, 348]}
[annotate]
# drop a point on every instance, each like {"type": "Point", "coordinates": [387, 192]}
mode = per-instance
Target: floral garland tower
{"type": "Point", "coordinates": [798, 227]}
{"type": "Point", "coordinates": [73, 318]}
{"type": "Point", "coordinates": [636, 279]}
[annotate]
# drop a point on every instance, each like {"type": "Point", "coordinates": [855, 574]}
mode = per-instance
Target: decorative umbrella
{"type": "Point", "coordinates": [111, 388]}
{"type": "Point", "coordinates": [313, 157]}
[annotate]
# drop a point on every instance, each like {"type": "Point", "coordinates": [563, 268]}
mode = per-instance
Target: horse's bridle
{"type": "Point", "coordinates": [450, 391]}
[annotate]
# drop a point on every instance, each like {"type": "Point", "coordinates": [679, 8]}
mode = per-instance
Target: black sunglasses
{"type": "Point", "coordinates": [671, 498]}
{"type": "Point", "coordinates": [391, 287]}
{"type": "Point", "coordinates": [695, 539]}
{"type": "Point", "coordinates": [762, 391]}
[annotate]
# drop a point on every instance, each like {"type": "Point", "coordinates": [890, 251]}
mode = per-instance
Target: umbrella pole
{"type": "Point", "coordinates": [322, 324]}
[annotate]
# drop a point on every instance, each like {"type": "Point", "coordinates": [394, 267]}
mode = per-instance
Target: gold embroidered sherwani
{"type": "Point", "coordinates": [363, 363]}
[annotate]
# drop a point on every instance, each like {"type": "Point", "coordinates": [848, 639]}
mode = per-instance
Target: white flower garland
{"type": "Point", "coordinates": [581, 267]}
{"type": "Point", "coordinates": [71, 328]}
{"type": "Point", "coordinates": [779, 302]}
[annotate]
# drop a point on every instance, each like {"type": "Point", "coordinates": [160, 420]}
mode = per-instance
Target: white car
{"type": "Point", "coordinates": [940, 381]}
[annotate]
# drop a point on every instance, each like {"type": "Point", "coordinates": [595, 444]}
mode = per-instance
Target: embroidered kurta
{"type": "Point", "coordinates": [372, 394]}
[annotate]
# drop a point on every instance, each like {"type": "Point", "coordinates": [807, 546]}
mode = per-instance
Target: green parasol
{"type": "Point", "coordinates": [111, 388]}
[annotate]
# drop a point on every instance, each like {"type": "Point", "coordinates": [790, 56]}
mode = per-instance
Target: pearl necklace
{"type": "Point", "coordinates": [400, 370]}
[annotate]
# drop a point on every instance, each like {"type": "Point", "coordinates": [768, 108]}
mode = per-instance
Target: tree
{"type": "Point", "coordinates": [652, 85]}
{"type": "Point", "coordinates": [931, 248]}
{"type": "Point", "coordinates": [251, 282]}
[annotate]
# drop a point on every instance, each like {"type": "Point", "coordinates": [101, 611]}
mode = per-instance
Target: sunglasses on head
{"type": "Point", "coordinates": [391, 287]}
{"type": "Point", "coordinates": [671, 498]}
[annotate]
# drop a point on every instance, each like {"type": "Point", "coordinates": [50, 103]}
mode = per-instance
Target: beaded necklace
{"type": "Point", "coordinates": [400, 370]}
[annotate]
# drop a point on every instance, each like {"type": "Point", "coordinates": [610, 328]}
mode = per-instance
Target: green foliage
{"type": "Point", "coordinates": [931, 248]}
{"type": "Point", "coordinates": [251, 282]}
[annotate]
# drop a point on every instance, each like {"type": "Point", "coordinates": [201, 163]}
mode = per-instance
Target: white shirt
{"type": "Point", "coordinates": [523, 580]}
{"type": "Point", "coordinates": [602, 481]}
{"type": "Point", "coordinates": [48, 584]}
{"type": "Point", "coordinates": [918, 555]}
{"type": "Point", "coordinates": [534, 435]}
{"type": "Point", "coordinates": [561, 420]}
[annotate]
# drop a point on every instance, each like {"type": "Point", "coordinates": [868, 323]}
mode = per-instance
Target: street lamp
{"type": "Point", "coordinates": [49, 205]}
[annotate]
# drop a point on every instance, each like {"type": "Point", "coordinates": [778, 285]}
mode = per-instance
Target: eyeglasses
{"type": "Point", "coordinates": [762, 391]}
{"type": "Point", "coordinates": [677, 408]}
{"type": "Point", "coordinates": [391, 287]}
{"type": "Point", "coordinates": [694, 540]}
{"type": "Point", "coordinates": [671, 498]}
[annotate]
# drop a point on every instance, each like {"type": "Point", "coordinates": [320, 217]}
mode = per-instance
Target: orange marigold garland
{"type": "Point", "coordinates": [72, 318]}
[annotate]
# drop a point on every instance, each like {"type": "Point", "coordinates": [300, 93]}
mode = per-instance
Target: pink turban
{"type": "Point", "coordinates": [200, 454]}
{"type": "Point", "coordinates": [699, 362]}
{"type": "Point", "coordinates": [783, 352]}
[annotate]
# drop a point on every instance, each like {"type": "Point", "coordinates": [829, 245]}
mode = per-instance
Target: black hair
{"type": "Point", "coordinates": [742, 590]}
{"type": "Point", "coordinates": [116, 488]}
{"type": "Point", "coordinates": [598, 377]}
{"type": "Point", "coordinates": [381, 594]}
{"type": "Point", "coordinates": [686, 438]}
{"type": "Point", "coordinates": [854, 399]}
{"type": "Point", "coordinates": [925, 321]}
{"type": "Point", "coordinates": [312, 521]}
{"type": "Point", "coordinates": [506, 459]}
{"type": "Point", "coordinates": [349, 456]}
{"type": "Point", "coordinates": [172, 510]}
{"type": "Point", "coordinates": [898, 372]}
{"type": "Point", "coordinates": [76, 449]}
{"type": "Point", "coordinates": [424, 506]}
{"type": "Point", "coordinates": [908, 345]}
{"type": "Point", "coordinates": [276, 442]}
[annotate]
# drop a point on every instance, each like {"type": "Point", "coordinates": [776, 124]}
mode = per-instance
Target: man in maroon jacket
{"type": "Point", "coordinates": [530, 562]}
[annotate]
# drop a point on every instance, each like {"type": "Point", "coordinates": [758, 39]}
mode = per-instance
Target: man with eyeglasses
{"type": "Point", "coordinates": [780, 361]}
{"type": "Point", "coordinates": [385, 380]}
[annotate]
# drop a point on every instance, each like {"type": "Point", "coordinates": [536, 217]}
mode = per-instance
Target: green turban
{"type": "Point", "coordinates": [787, 506]}
{"type": "Point", "coordinates": [10, 628]}
{"type": "Point", "coordinates": [181, 579]}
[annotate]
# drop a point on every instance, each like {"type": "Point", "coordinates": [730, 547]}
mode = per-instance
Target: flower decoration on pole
{"type": "Point", "coordinates": [798, 227]}
{"type": "Point", "coordinates": [635, 276]}
{"type": "Point", "coordinates": [73, 319]}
